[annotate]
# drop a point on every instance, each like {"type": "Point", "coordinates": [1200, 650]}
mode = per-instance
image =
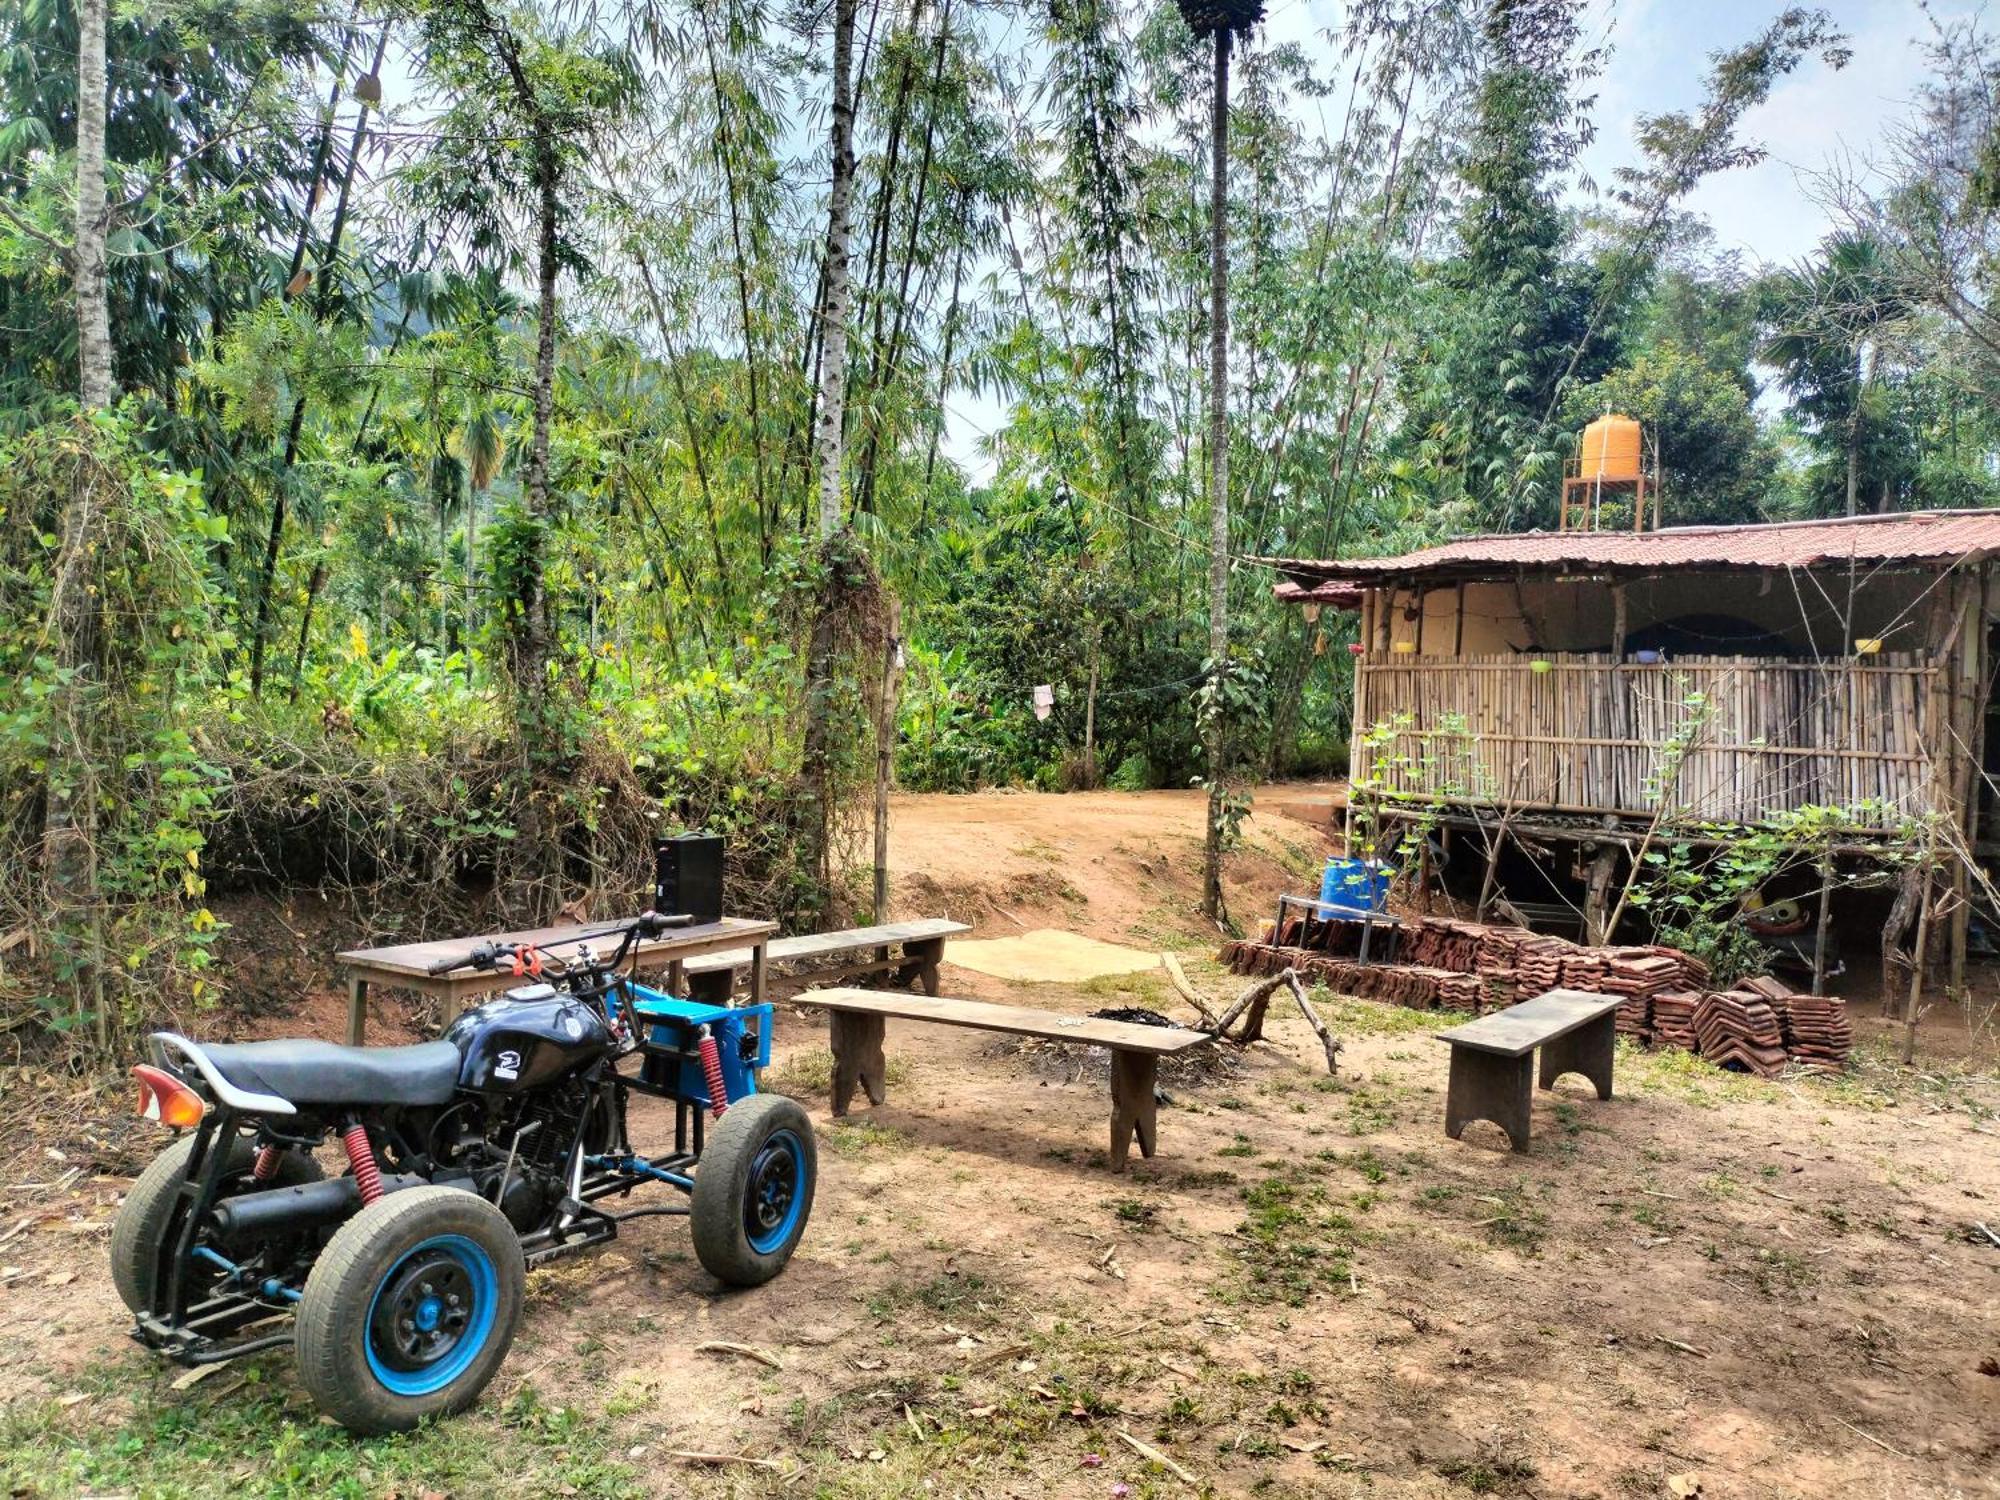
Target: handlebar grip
{"type": "Point", "coordinates": [443, 966]}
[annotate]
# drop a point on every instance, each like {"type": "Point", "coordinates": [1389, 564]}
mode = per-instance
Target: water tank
{"type": "Point", "coordinates": [1610, 449]}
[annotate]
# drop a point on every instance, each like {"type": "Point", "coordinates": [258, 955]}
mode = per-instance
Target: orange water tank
{"type": "Point", "coordinates": [1610, 449]}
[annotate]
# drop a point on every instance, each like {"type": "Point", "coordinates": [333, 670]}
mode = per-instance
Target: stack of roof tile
{"type": "Point", "coordinates": [1414, 985]}
{"type": "Point", "coordinates": [1499, 948]}
{"type": "Point", "coordinates": [1816, 1028]}
{"type": "Point", "coordinates": [1738, 1029]}
{"type": "Point", "coordinates": [1443, 943]}
{"type": "Point", "coordinates": [1461, 992]}
{"type": "Point", "coordinates": [1540, 963]}
{"type": "Point", "coordinates": [1499, 988]}
{"type": "Point", "coordinates": [1583, 969]}
{"type": "Point", "coordinates": [1673, 1019]}
{"type": "Point", "coordinates": [1638, 974]}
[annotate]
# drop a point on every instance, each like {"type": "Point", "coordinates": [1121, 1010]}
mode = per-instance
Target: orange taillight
{"type": "Point", "coordinates": [165, 1098]}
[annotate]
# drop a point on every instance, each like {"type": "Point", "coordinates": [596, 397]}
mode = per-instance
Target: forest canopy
{"type": "Point", "coordinates": [458, 499]}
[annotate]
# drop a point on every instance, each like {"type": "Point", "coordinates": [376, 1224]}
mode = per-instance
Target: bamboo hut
{"type": "Point", "coordinates": [1598, 681]}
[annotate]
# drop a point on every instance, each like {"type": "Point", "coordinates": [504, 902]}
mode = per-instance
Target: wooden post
{"type": "Point", "coordinates": [1423, 608]}
{"type": "Point", "coordinates": [1819, 935]}
{"type": "Point", "coordinates": [357, 1008]}
{"type": "Point", "coordinates": [1385, 609]}
{"type": "Point", "coordinates": [1499, 840]}
{"type": "Point", "coordinates": [1597, 894]}
{"type": "Point", "coordinates": [1458, 633]}
{"type": "Point", "coordinates": [1618, 622]}
{"type": "Point", "coordinates": [1911, 1013]}
{"type": "Point", "coordinates": [1968, 664]}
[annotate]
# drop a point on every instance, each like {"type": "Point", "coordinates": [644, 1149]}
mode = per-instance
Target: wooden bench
{"type": "Point", "coordinates": [1492, 1062]}
{"type": "Point", "coordinates": [712, 977]}
{"type": "Point", "coordinates": [856, 1022]}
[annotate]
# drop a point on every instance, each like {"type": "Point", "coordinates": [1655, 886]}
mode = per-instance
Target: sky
{"type": "Point", "coordinates": [1817, 117]}
{"type": "Point", "coordinates": [1659, 56]}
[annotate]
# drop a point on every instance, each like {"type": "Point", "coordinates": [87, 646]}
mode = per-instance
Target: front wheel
{"type": "Point", "coordinates": [753, 1191]}
{"type": "Point", "coordinates": [410, 1309]}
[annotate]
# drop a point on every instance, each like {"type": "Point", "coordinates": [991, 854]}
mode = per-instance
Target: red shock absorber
{"type": "Point", "coordinates": [361, 1157]}
{"type": "Point", "coordinates": [711, 1069]}
{"type": "Point", "coordinates": [266, 1165]}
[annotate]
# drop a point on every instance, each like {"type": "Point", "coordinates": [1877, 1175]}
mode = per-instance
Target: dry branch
{"type": "Point", "coordinates": [1261, 990]}
{"type": "Point", "coordinates": [722, 1346]}
{"type": "Point", "coordinates": [1187, 991]}
{"type": "Point", "coordinates": [1147, 1450]}
{"type": "Point", "coordinates": [1326, 1038]}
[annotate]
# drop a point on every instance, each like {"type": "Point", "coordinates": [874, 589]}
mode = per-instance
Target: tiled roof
{"type": "Point", "coordinates": [1332, 595]}
{"type": "Point", "coordinates": [1921, 537]}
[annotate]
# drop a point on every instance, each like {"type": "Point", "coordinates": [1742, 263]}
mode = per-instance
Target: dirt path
{"type": "Point", "coordinates": [1769, 1289]}
{"type": "Point", "coordinates": [1122, 866]}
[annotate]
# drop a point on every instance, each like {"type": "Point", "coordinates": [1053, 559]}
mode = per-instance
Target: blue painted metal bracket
{"type": "Point", "coordinates": [673, 1025]}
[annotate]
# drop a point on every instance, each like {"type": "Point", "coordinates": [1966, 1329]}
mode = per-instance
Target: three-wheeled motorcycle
{"type": "Point", "coordinates": [460, 1163]}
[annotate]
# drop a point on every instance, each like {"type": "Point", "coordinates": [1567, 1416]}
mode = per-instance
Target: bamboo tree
{"type": "Point", "coordinates": [833, 309]}
{"type": "Point", "coordinates": [1219, 22]}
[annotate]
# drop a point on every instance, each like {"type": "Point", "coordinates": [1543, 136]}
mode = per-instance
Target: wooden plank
{"type": "Point", "coordinates": [823, 944]}
{"type": "Point", "coordinates": [1524, 1027]}
{"type": "Point", "coordinates": [414, 960]}
{"type": "Point", "coordinates": [1015, 1020]}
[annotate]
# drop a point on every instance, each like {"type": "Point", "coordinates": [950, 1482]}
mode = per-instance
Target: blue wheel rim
{"type": "Point", "coordinates": [422, 1372]}
{"type": "Point", "coordinates": [774, 1201]}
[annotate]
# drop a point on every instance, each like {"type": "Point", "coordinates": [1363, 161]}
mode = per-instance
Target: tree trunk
{"type": "Point", "coordinates": [538, 851]}
{"type": "Point", "coordinates": [1854, 432]}
{"type": "Point", "coordinates": [833, 310]}
{"type": "Point", "coordinates": [467, 625]}
{"type": "Point", "coordinates": [69, 810]}
{"type": "Point", "coordinates": [93, 312]}
{"type": "Point", "coordinates": [816, 751]}
{"type": "Point", "coordinates": [885, 762]}
{"type": "Point", "coordinates": [1218, 478]}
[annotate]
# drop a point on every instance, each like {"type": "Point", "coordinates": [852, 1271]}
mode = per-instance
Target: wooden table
{"type": "Point", "coordinates": [856, 1020]}
{"type": "Point", "coordinates": [921, 942]}
{"type": "Point", "coordinates": [407, 965]}
{"type": "Point", "coordinates": [1492, 1062]}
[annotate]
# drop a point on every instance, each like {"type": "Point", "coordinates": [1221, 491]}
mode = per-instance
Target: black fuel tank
{"type": "Point", "coordinates": [526, 1038]}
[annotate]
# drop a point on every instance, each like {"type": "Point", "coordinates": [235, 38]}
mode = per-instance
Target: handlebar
{"type": "Point", "coordinates": [490, 955]}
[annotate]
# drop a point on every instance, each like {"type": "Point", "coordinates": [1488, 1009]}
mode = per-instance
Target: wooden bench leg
{"type": "Point", "coordinates": [1134, 1111]}
{"type": "Point", "coordinates": [926, 952]}
{"type": "Point", "coordinates": [357, 1009]}
{"type": "Point", "coordinates": [1587, 1050]}
{"type": "Point", "coordinates": [713, 988]}
{"type": "Point", "coordinates": [857, 1058]}
{"type": "Point", "coordinates": [1484, 1086]}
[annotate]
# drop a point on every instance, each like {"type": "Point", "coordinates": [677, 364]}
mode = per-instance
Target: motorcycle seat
{"type": "Point", "coordinates": [313, 1072]}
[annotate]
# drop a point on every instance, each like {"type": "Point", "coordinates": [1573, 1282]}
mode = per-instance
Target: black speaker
{"type": "Point", "coordinates": [687, 876]}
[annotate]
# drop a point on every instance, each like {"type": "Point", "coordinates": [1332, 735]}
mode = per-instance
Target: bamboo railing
{"type": "Point", "coordinates": [1727, 739]}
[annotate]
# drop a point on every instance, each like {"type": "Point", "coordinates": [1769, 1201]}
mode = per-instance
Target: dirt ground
{"type": "Point", "coordinates": [1759, 1289]}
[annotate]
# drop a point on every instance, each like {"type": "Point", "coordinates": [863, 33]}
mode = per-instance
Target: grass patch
{"type": "Point", "coordinates": [808, 1075]}
{"type": "Point", "coordinates": [262, 1438]}
{"type": "Point", "coordinates": [1294, 1243]}
{"type": "Point", "coordinates": [1348, 1017]}
{"type": "Point", "coordinates": [859, 1137]}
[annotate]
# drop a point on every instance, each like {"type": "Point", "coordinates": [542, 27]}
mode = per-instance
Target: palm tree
{"type": "Point", "coordinates": [1219, 19]}
{"type": "Point", "coordinates": [1830, 321]}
